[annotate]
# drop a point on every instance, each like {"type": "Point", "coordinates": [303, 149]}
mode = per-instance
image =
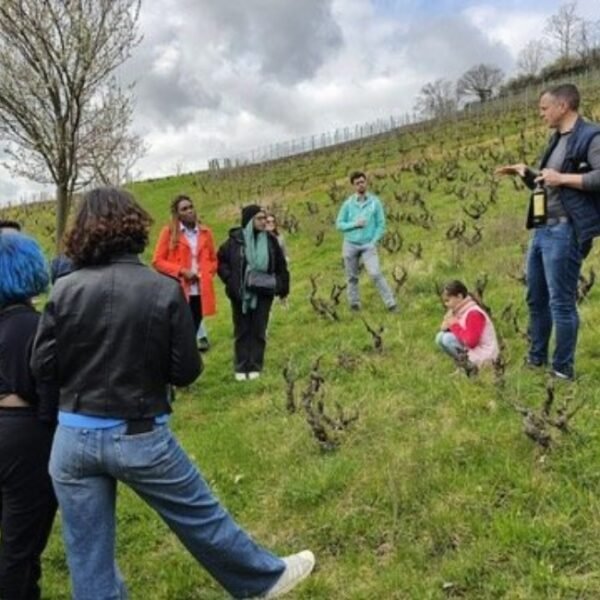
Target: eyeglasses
{"type": "Point", "coordinates": [270, 220]}
{"type": "Point", "coordinates": [260, 217]}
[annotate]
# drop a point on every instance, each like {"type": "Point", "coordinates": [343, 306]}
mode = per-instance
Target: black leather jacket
{"type": "Point", "coordinates": [114, 337]}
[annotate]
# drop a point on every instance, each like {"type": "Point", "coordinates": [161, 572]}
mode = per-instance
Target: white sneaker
{"type": "Point", "coordinates": [253, 375]}
{"type": "Point", "coordinates": [297, 568]}
{"type": "Point", "coordinates": [240, 376]}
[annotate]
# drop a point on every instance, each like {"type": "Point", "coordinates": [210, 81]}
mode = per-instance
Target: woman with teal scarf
{"type": "Point", "coordinates": [251, 249]}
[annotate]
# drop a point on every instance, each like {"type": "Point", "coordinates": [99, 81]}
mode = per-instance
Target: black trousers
{"type": "Point", "coordinates": [28, 502]}
{"type": "Point", "coordinates": [250, 331]}
{"type": "Point", "coordinates": [195, 303]}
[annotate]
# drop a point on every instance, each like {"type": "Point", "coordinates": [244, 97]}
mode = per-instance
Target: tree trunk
{"type": "Point", "coordinates": [62, 213]}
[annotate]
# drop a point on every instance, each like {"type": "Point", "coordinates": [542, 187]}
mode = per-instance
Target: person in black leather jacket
{"type": "Point", "coordinates": [250, 311]}
{"type": "Point", "coordinates": [27, 418]}
{"type": "Point", "coordinates": [115, 335]}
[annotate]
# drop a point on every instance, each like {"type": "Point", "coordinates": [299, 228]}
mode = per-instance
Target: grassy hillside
{"type": "Point", "coordinates": [434, 491]}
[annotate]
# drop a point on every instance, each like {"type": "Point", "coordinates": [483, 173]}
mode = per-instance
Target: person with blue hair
{"type": "Point", "coordinates": [27, 415]}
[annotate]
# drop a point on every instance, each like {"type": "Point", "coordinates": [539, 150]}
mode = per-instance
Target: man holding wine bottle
{"type": "Point", "coordinates": [564, 211]}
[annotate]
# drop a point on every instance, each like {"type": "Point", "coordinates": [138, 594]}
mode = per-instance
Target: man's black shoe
{"type": "Point", "coordinates": [534, 366]}
{"type": "Point", "coordinates": [203, 345]}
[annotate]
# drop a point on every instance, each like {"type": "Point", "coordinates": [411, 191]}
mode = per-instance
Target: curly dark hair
{"type": "Point", "coordinates": [108, 222]}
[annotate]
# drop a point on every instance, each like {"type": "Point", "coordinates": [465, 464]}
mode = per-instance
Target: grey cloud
{"type": "Point", "coordinates": [451, 46]}
{"type": "Point", "coordinates": [252, 43]}
{"type": "Point", "coordinates": [287, 40]}
{"type": "Point", "coordinates": [168, 97]}
{"type": "Point", "coordinates": [174, 97]}
{"type": "Point", "coordinates": [221, 54]}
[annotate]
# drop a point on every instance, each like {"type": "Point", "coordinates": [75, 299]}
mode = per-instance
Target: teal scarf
{"type": "Point", "coordinates": [257, 259]}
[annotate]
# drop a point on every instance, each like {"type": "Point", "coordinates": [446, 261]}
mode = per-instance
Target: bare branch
{"type": "Point", "coordinates": [62, 117]}
{"type": "Point", "coordinates": [562, 29]}
{"type": "Point", "coordinates": [376, 334]}
{"type": "Point", "coordinates": [437, 99]}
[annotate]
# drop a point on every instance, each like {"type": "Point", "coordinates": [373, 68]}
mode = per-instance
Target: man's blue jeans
{"type": "Point", "coordinates": [553, 266]}
{"type": "Point", "coordinates": [352, 254]}
{"type": "Point", "coordinates": [85, 465]}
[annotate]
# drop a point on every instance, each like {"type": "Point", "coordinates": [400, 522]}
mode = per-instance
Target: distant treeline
{"type": "Point", "coordinates": [560, 69]}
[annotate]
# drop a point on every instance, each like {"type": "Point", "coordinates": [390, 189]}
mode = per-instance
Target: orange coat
{"type": "Point", "coordinates": [171, 261]}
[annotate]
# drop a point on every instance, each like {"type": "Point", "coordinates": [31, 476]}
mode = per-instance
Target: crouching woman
{"type": "Point", "coordinates": [467, 332]}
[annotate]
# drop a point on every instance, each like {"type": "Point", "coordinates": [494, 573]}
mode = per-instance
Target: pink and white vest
{"type": "Point", "coordinates": [487, 349]}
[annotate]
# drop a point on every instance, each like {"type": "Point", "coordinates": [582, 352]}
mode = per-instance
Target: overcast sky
{"type": "Point", "coordinates": [217, 77]}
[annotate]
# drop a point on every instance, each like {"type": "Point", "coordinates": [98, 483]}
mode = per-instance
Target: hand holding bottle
{"type": "Point", "coordinates": [549, 177]}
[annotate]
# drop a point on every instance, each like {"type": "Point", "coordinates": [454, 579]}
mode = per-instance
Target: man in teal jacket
{"type": "Point", "coordinates": [362, 220]}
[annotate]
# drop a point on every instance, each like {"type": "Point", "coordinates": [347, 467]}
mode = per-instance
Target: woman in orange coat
{"type": "Point", "coordinates": [186, 250]}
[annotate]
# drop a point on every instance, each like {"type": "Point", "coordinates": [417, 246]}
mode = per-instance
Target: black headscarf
{"type": "Point", "coordinates": [249, 212]}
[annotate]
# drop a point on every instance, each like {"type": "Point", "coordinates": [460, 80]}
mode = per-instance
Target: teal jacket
{"type": "Point", "coordinates": [370, 210]}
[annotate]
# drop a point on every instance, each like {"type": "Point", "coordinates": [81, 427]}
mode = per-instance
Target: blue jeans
{"type": "Point", "coordinates": [352, 254]}
{"type": "Point", "coordinates": [553, 266]}
{"type": "Point", "coordinates": [85, 466]}
{"type": "Point", "coordinates": [450, 344]}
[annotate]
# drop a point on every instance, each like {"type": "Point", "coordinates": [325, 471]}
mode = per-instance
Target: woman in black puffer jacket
{"type": "Point", "coordinates": [250, 250]}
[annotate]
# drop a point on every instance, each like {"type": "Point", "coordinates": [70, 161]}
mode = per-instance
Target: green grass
{"type": "Point", "coordinates": [434, 492]}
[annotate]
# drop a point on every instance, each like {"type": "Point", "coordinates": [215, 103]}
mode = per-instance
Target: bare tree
{"type": "Point", "coordinates": [436, 99]}
{"type": "Point", "coordinates": [562, 29]}
{"type": "Point", "coordinates": [587, 38]}
{"type": "Point", "coordinates": [531, 58]}
{"type": "Point", "coordinates": [109, 151]}
{"type": "Point", "coordinates": [62, 114]}
{"type": "Point", "coordinates": [481, 81]}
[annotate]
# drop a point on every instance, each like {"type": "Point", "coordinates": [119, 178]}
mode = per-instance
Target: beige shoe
{"type": "Point", "coordinates": [253, 375]}
{"type": "Point", "coordinates": [297, 568]}
{"type": "Point", "coordinates": [240, 376]}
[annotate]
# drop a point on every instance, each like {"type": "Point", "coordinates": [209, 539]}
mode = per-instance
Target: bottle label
{"type": "Point", "coordinates": [539, 208]}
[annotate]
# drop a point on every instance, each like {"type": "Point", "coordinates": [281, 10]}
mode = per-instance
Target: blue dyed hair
{"type": "Point", "coordinates": [23, 270]}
